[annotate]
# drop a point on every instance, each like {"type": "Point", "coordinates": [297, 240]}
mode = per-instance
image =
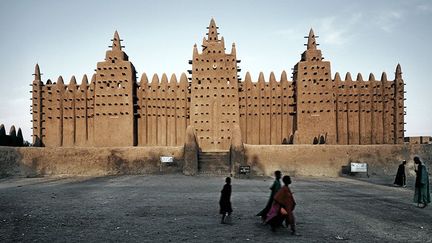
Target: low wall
{"type": "Point", "coordinates": [296, 160]}
{"type": "Point", "coordinates": [26, 161]}
{"type": "Point", "coordinates": [328, 160]}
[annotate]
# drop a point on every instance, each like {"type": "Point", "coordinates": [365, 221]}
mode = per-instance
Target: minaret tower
{"type": "Point", "coordinates": [399, 106]}
{"type": "Point", "coordinates": [114, 94]}
{"type": "Point", "coordinates": [214, 96]}
{"type": "Point", "coordinates": [36, 108]}
{"type": "Point", "coordinates": [315, 105]}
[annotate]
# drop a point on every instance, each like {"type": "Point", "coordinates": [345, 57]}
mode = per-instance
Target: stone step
{"type": "Point", "coordinates": [214, 163]}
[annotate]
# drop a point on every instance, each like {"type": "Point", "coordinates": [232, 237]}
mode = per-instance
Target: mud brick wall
{"type": "Point", "coordinates": [88, 161]}
{"type": "Point", "coordinates": [328, 160]}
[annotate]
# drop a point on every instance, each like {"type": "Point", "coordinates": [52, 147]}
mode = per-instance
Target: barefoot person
{"type": "Point", "coordinates": [421, 194]}
{"type": "Point", "coordinates": [225, 200]}
{"type": "Point", "coordinates": [283, 207]}
{"type": "Point", "coordinates": [274, 189]}
{"type": "Point", "coordinates": [400, 179]}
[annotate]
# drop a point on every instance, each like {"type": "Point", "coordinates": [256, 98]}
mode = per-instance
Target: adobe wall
{"type": "Point", "coordinates": [267, 110]}
{"type": "Point", "coordinates": [296, 160]}
{"type": "Point", "coordinates": [87, 161]}
{"type": "Point", "coordinates": [370, 112]}
{"type": "Point", "coordinates": [327, 160]}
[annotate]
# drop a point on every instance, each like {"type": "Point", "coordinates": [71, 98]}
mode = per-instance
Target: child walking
{"type": "Point", "coordinates": [225, 200]}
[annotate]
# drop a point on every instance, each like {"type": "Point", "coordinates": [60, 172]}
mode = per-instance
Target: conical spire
{"type": "Point", "coordinates": [60, 80]}
{"type": "Point", "coordinates": [12, 131]}
{"type": "Point", "coordinates": [284, 77]}
{"type": "Point", "coordinates": [384, 76]}
{"type": "Point", "coordinates": [398, 71]}
{"type": "Point", "coordinates": [183, 80]}
{"type": "Point", "coordinates": [337, 77]}
{"type": "Point", "coordinates": [20, 138]}
{"type": "Point", "coordinates": [272, 78]}
{"type": "Point", "coordinates": [2, 130]}
{"type": "Point", "coordinates": [73, 81]}
{"type": "Point", "coordinates": [195, 51]}
{"type": "Point", "coordinates": [155, 81]}
{"type": "Point", "coordinates": [248, 78]}
{"type": "Point", "coordinates": [144, 80]}
{"type": "Point", "coordinates": [84, 80]}
{"type": "Point", "coordinates": [348, 76]}
{"type": "Point", "coordinates": [261, 80]}
{"type": "Point", "coordinates": [164, 80]}
{"type": "Point", "coordinates": [37, 73]}
{"type": "Point", "coordinates": [359, 77]}
{"type": "Point", "coordinates": [311, 45]}
{"type": "Point", "coordinates": [233, 49]}
{"type": "Point", "coordinates": [116, 45]}
{"type": "Point", "coordinates": [212, 31]}
{"type": "Point", "coordinates": [173, 79]}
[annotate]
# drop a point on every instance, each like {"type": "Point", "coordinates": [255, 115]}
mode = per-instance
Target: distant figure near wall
{"type": "Point", "coordinates": [422, 193]}
{"type": "Point", "coordinates": [400, 179]}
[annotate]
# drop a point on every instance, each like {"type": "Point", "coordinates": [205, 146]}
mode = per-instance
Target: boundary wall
{"type": "Point", "coordinates": [88, 161]}
{"type": "Point", "coordinates": [294, 160]}
{"type": "Point", "coordinates": [330, 160]}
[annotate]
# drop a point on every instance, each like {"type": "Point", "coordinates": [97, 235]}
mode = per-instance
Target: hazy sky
{"type": "Point", "coordinates": [69, 37]}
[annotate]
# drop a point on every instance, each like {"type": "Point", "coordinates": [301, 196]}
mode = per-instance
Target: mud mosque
{"type": "Point", "coordinates": [115, 109]}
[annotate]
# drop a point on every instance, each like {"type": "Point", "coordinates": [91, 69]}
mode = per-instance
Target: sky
{"type": "Point", "coordinates": [69, 37]}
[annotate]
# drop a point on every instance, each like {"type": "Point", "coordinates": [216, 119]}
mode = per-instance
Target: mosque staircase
{"type": "Point", "coordinates": [214, 163]}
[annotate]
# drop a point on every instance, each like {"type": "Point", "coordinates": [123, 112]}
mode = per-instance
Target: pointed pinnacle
{"type": "Point", "coordinates": [311, 45]}
{"type": "Point", "coordinates": [37, 73]}
{"type": "Point", "coordinates": [284, 77]}
{"type": "Point", "coordinates": [60, 80]}
{"type": "Point", "coordinates": [12, 131]}
{"type": "Point", "coordinates": [195, 51]}
{"type": "Point", "coordinates": [212, 31]}
{"type": "Point", "coordinates": [84, 81]}
{"type": "Point", "coordinates": [337, 77]}
{"type": "Point", "coordinates": [248, 78]}
{"type": "Point", "coordinates": [72, 81]}
{"type": "Point", "coordinates": [398, 71]}
{"type": "Point", "coordinates": [233, 49]}
{"type": "Point", "coordinates": [116, 41]}
{"type": "Point", "coordinates": [2, 130]}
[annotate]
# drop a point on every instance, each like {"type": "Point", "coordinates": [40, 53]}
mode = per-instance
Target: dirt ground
{"type": "Point", "coordinates": [176, 208]}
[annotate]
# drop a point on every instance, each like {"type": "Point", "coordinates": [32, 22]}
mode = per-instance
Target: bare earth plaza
{"type": "Point", "coordinates": [122, 158]}
{"type": "Point", "coordinates": [177, 208]}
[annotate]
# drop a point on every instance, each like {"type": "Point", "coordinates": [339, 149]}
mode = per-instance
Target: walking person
{"type": "Point", "coordinates": [283, 207]}
{"type": "Point", "coordinates": [400, 179]}
{"type": "Point", "coordinates": [421, 194]}
{"type": "Point", "coordinates": [225, 201]}
{"type": "Point", "coordinates": [276, 186]}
